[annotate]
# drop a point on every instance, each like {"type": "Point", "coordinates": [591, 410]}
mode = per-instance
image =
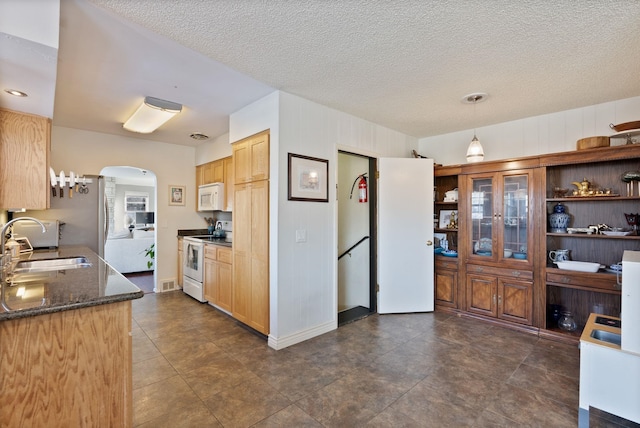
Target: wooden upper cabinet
{"type": "Point", "coordinates": [217, 171]}
{"type": "Point", "coordinates": [25, 144]}
{"type": "Point", "coordinates": [251, 158]}
{"type": "Point", "coordinates": [228, 183]}
{"type": "Point", "coordinates": [199, 176]}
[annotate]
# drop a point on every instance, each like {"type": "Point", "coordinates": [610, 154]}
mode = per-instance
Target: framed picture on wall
{"type": "Point", "coordinates": [308, 179]}
{"type": "Point", "coordinates": [176, 194]}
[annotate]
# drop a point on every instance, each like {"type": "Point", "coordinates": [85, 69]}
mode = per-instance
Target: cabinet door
{"type": "Point", "coordinates": [210, 282]}
{"type": "Point", "coordinates": [241, 162]}
{"type": "Point", "coordinates": [207, 173]}
{"type": "Point", "coordinates": [515, 217]}
{"type": "Point", "coordinates": [259, 155]}
{"type": "Point", "coordinates": [482, 294]}
{"type": "Point", "coordinates": [199, 176]}
{"type": "Point", "coordinates": [515, 300]}
{"type": "Point", "coordinates": [229, 181]}
{"type": "Point", "coordinates": [260, 256]}
{"type": "Point", "coordinates": [24, 161]}
{"type": "Point", "coordinates": [482, 217]}
{"type": "Point", "coordinates": [217, 171]}
{"type": "Point", "coordinates": [446, 287]}
{"type": "Point", "coordinates": [241, 305]}
{"type": "Point", "coordinates": [225, 287]}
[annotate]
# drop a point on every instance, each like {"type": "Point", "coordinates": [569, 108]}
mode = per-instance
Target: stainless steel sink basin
{"type": "Point", "coordinates": [44, 265]}
{"type": "Point", "coordinates": [607, 336]}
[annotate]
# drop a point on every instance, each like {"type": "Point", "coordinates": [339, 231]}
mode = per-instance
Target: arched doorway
{"type": "Point", "coordinates": [129, 221]}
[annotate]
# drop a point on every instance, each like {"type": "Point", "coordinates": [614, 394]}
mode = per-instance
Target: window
{"type": "Point", "coordinates": [136, 202]}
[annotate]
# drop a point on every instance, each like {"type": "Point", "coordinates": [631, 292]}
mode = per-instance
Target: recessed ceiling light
{"type": "Point", "coordinates": [199, 136]}
{"type": "Point", "coordinates": [16, 93]}
{"type": "Point", "coordinates": [475, 98]}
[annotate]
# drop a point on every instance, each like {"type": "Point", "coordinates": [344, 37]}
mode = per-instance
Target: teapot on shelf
{"type": "Point", "coordinates": [584, 188]}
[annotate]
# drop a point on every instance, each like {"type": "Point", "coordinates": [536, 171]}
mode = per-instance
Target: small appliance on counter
{"type": "Point", "coordinates": [37, 238]}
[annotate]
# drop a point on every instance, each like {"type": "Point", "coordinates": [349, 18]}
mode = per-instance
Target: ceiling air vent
{"type": "Point", "coordinates": [199, 136]}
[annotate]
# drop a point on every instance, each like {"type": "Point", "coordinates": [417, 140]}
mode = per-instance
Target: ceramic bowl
{"type": "Point", "coordinates": [520, 256]}
{"type": "Point", "coordinates": [507, 253]}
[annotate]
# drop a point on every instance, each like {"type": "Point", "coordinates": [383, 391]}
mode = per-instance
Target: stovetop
{"type": "Point", "coordinates": [208, 238]}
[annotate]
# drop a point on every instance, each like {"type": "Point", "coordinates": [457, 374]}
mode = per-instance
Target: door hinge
{"type": "Point", "coordinates": [377, 288]}
{"type": "Point", "coordinates": [377, 175]}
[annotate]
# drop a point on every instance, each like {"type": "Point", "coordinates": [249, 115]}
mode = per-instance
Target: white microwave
{"type": "Point", "coordinates": [211, 197]}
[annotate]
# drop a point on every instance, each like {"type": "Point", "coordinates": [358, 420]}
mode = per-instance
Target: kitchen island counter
{"type": "Point", "coordinates": [65, 345]}
{"type": "Point", "coordinates": [61, 290]}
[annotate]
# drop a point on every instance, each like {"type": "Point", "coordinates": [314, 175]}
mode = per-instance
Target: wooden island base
{"type": "Point", "coordinates": [69, 368]}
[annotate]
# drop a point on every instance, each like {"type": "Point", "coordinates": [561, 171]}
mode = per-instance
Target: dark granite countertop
{"type": "Point", "coordinates": [202, 235]}
{"type": "Point", "coordinates": [54, 291]}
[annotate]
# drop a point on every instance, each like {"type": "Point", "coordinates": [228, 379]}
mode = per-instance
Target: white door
{"type": "Point", "coordinates": [405, 235]}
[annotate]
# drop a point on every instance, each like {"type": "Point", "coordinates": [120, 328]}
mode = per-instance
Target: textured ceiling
{"type": "Point", "coordinates": [402, 64]}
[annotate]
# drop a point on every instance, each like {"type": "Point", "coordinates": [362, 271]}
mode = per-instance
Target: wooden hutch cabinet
{"type": "Point", "coordinates": [446, 271]}
{"type": "Point", "coordinates": [503, 272]}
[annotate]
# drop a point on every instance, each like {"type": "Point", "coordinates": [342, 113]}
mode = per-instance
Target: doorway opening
{"type": "Point", "coordinates": [357, 238]}
{"type": "Point", "coordinates": [129, 214]}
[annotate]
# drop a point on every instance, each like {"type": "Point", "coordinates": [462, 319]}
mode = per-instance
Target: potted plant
{"type": "Point", "coordinates": [151, 253]}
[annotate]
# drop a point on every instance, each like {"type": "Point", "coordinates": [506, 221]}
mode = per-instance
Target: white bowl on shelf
{"type": "Point", "coordinates": [579, 266]}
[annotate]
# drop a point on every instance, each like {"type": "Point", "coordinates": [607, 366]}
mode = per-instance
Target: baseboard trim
{"type": "Point", "coordinates": [278, 343]}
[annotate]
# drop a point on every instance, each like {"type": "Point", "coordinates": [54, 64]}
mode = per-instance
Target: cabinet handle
{"type": "Point", "coordinates": [494, 299]}
{"type": "Point", "coordinates": [479, 269]}
{"type": "Point", "coordinates": [566, 279]}
{"type": "Point", "coordinates": [516, 273]}
{"type": "Point", "coordinates": [499, 300]}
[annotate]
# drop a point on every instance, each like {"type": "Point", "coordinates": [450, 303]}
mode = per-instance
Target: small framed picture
{"type": "Point", "coordinates": [176, 195]}
{"type": "Point", "coordinates": [308, 179]}
{"type": "Point", "coordinates": [445, 217]}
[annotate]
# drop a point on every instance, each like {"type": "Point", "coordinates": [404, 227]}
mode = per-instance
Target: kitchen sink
{"type": "Point", "coordinates": [607, 336]}
{"type": "Point", "coordinates": [45, 265]}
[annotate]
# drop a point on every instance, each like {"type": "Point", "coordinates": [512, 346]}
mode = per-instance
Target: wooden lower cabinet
{"type": "Point", "coordinates": [218, 277]}
{"type": "Point", "coordinates": [251, 255]}
{"type": "Point", "coordinates": [68, 369]}
{"type": "Point", "coordinates": [446, 283]}
{"type": "Point", "coordinates": [505, 298]}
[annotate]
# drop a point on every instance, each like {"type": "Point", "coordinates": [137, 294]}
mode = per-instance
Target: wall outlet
{"type": "Point", "coordinates": [301, 235]}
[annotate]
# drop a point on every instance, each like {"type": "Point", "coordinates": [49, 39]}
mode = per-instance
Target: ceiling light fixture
{"type": "Point", "coordinates": [199, 136]}
{"type": "Point", "coordinates": [475, 153]}
{"type": "Point", "coordinates": [151, 114]}
{"type": "Point", "coordinates": [16, 93]}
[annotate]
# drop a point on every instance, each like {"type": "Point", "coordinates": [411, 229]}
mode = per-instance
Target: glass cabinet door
{"type": "Point", "coordinates": [515, 214]}
{"type": "Point", "coordinates": [482, 216]}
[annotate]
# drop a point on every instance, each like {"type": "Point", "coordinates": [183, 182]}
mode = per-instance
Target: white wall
{"type": "Point", "coordinates": [216, 149]}
{"type": "Point", "coordinates": [87, 152]}
{"type": "Point", "coordinates": [550, 133]}
{"type": "Point", "coordinates": [303, 276]}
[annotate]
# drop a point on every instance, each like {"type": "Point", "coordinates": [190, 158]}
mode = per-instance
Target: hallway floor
{"type": "Point", "coordinates": [195, 367]}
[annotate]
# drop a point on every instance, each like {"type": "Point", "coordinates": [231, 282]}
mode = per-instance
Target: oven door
{"type": "Point", "coordinates": [193, 264]}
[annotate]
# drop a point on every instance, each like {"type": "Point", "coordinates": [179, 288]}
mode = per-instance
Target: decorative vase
{"type": "Point", "coordinates": [566, 322]}
{"type": "Point", "coordinates": [559, 219]}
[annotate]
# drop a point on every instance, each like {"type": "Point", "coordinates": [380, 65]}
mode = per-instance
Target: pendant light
{"type": "Point", "coordinates": [475, 153]}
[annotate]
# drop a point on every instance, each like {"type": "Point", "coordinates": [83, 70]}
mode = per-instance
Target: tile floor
{"type": "Point", "coordinates": [195, 367]}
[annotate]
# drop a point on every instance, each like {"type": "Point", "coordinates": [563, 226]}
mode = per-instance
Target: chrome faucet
{"type": "Point", "coordinates": [6, 258]}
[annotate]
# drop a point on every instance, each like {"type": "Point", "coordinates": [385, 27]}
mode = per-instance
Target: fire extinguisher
{"type": "Point", "coordinates": [362, 188]}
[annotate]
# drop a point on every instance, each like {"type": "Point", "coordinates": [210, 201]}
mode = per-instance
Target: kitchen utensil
{"type": "Point", "coordinates": [72, 180]}
{"type": "Point", "coordinates": [84, 189]}
{"type": "Point", "coordinates": [54, 181]}
{"type": "Point", "coordinates": [579, 266]}
{"type": "Point", "coordinates": [592, 142]}
{"type": "Point", "coordinates": [77, 183]}
{"type": "Point", "coordinates": [559, 255]}
{"type": "Point", "coordinates": [625, 126]}
{"type": "Point", "coordinates": [62, 182]}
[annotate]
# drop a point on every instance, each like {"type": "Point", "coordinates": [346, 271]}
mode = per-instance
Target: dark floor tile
{"type": "Point", "coordinates": [219, 373]}
{"type": "Point", "coordinates": [246, 404]}
{"type": "Point", "coordinates": [195, 357]}
{"type": "Point", "coordinates": [391, 417]}
{"type": "Point", "coordinates": [546, 383]}
{"type": "Point", "coordinates": [489, 419]}
{"type": "Point", "coordinates": [530, 409]}
{"type": "Point", "coordinates": [454, 382]}
{"type": "Point", "coordinates": [190, 415]}
{"type": "Point", "coordinates": [291, 416]}
{"type": "Point", "coordinates": [162, 399]}
{"type": "Point", "coordinates": [143, 348]}
{"type": "Point", "coordinates": [558, 361]}
{"type": "Point", "coordinates": [150, 371]}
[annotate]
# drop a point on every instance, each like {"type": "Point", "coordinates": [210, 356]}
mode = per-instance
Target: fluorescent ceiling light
{"type": "Point", "coordinates": [151, 115]}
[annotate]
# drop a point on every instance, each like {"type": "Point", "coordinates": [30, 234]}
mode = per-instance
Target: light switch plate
{"type": "Point", "coordinates": [301, 235]}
